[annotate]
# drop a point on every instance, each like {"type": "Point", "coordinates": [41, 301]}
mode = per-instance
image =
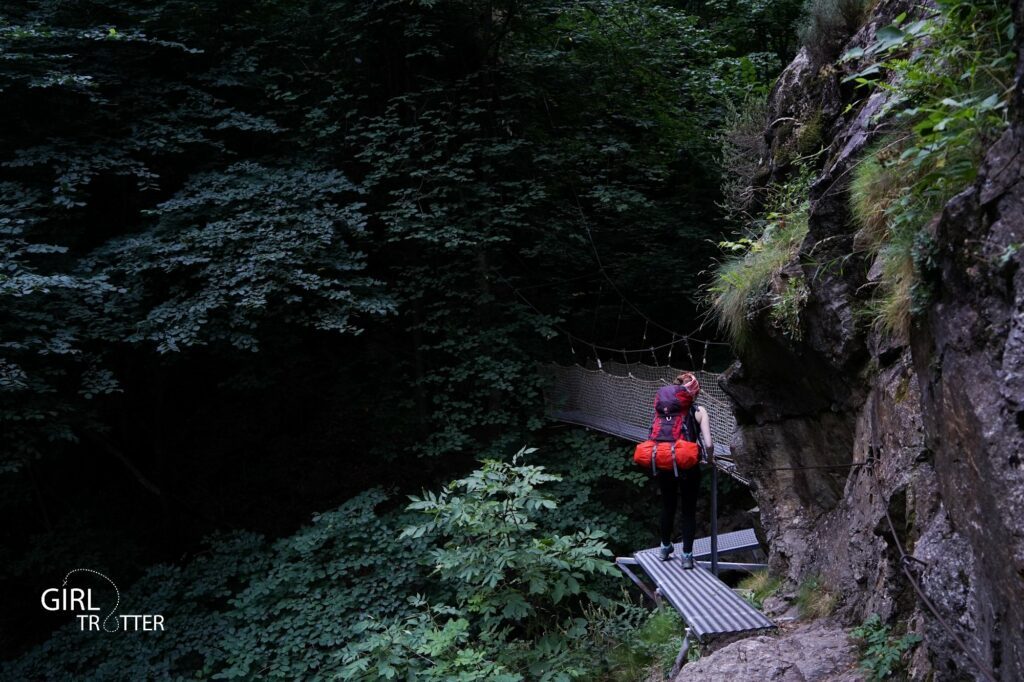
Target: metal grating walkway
{"type": "Point", "coordinates": [737, 541]}
{"type": "Point", "coordinates": [708, 605]}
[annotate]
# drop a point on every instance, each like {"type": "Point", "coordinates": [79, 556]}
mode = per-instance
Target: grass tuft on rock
{"type": "Point", "coordinates": [743, 280]}
{"type": "Point", "coordinates": [760, 586]}
{"type": "Point", "coordinates": [948, 79]}
{"type": "Point", "coordinates": [876, 185]}
{"type": "Point", "coordinates": [813, 600]}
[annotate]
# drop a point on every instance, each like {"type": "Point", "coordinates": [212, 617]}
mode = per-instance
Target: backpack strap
{"type": "Point", "coordinates": [690, 422]}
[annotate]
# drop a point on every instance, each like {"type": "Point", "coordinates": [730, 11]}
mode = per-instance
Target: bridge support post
{"type": "Point", "coordinates": [625, 564]}
{"type": "Point", "coordinates": [681, 658]}
{"type": "Point", "coordinates": [714, 519]}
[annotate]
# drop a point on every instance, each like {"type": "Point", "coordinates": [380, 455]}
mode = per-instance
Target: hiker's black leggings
{"type": "Point", "coordinates": [687, 486]}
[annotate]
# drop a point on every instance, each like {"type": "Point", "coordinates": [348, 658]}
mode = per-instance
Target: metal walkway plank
{"type": "Point", "coordinates": [708, 605]}
{"type": "Point", "coordinates": [737, 541]}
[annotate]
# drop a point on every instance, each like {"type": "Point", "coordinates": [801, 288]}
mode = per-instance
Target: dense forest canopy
{"type": "Point", "coordinates": [207, 202]}
{"type": "Point", "coordinates": [262, 259]}
{"type": "Point", "coordinates": [199, 183]}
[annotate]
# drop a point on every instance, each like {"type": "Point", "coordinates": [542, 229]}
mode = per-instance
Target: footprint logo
{"type": "Point", "coordinates": [113, 611]}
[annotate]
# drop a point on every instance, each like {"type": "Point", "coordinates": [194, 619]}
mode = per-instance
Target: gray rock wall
{"type": "Point", "coordinates": [969, 355]}
{"type": "Point", "coordinates": [946, 405]}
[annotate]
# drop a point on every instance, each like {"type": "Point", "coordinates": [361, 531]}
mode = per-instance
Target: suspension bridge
{"type": "Point", "coordinates": [616, 398]}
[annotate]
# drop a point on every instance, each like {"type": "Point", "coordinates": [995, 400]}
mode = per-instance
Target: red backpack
{"type": "Point", "coordinates": [682, 453]}
{"type": "Point", "coordinates": [667, 456]}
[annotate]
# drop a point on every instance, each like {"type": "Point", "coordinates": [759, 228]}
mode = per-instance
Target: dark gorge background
{"type": "Point", "coordinates": [277, 278]}
{"type": "Point", "coordinates": [262, 259]}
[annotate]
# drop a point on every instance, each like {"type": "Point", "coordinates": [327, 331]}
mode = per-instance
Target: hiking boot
{"type": "Point", "coordinates": [666, 551]}
{"type": "Point", "coordinates": [687, 561]}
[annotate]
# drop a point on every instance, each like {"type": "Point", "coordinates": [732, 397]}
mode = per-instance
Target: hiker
{"type": "Point", "coordinates": [676, 417]}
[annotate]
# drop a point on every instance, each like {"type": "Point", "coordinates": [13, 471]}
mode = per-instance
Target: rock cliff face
{"type": "Point", "coordinates": [942, 411]}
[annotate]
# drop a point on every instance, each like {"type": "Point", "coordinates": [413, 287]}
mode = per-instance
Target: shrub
{"type": "Point", "coordinates": [249, 608]}
{"type": "Point", "coordinates": [743, 154]}
{"type": "Point", "coordinates": [828, 24]}
{"type": "Point", "coordinates": [502, 568]}
{"type": "Point", "coordinates": [518, 593]}
{"type": "Point", "coordinates": [644, 646]}
{"type": "Point", "coordinates": [507, 600]}
{"type": "Point", "coordinates": [434, 644]}
{"type": "Point", "coordinates": [882, 653]}
{"type": "Point", "coordinates": [607, 494]}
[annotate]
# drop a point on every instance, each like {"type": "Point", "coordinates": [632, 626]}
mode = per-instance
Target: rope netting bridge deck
{"type": "Point", "coordinates": [618, 399]}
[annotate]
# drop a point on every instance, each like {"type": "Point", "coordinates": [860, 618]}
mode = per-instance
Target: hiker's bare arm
{"type": "Point", "coordinates": [705, 431]}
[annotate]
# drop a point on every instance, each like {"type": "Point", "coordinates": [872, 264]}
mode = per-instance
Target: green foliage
{"type": "Point", "coordinates": [743, 154]}
{"type": "Point", "coordinates": [759, 586]}
{"type": "Point", "coordinates": [798, 143]}
{"type": "Point", "coordinates": [882, 652]}
{"type": "Point", "coordinates": [599, 487]}
{"type": "Point", "coordinates": [132, 223]}
{"type": "Point", "coordinates": [948, 78]}
{"type": "Point", "coordinates": [875, 186]}
{"type": "Point", "coordinates": [813, 600]}
{"type": "Point", "coordinates": [432, 644]}
{"type": "Point", "coordinates": [516, 590]}
{"type": "Point", "coordinates": [505, 600]}
{"type": "Point", "coordinates": [247, 607]}
{"type": "Point", "coordinates": [756, 27]}
{"type": "Point", "coordinates": [879, 184]}
{"type": "Point", "coordinates": [324, 569]}
{"type": "Point", "coordinates": [739, 292]}
{"type": "Point", "coordinates": [810, 136]}
{"type": "Point", "coordinates": [386, 169]}
{"type": "Point", "coordinates": [205, 209]}
{"type": "Point", "coordinates": [786, 307]}
{"type": "Point", "coordinates": [502, 569]}
{"type": "Point", "coordinates": [241, 246]}
{"type": "Point", "coordinates": [577, 132]}
{"type": "Point", "coordinates": [638, 643]}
